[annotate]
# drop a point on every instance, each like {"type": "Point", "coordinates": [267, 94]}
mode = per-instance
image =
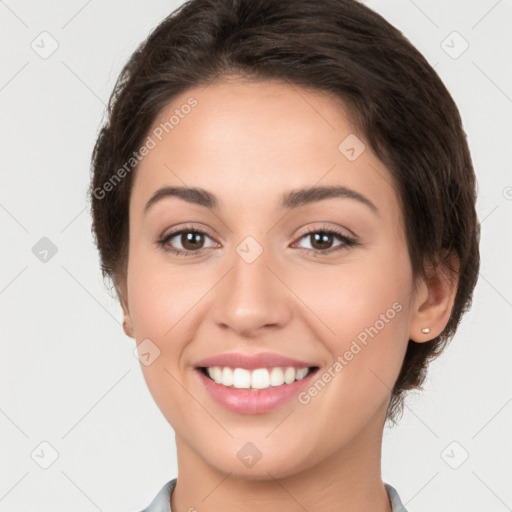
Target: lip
{"type": "Point", "coordinates": [246, 401]}
{"type": "Point", "coordinates": [252, 361]}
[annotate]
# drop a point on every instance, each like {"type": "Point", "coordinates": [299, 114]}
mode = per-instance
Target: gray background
{"type": "Point", "coordinates": [68, 376]}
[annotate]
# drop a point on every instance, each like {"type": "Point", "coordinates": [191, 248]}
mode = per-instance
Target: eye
{"type": "Point", "coordinates": [321, 240]}
{"type": "Point", "coordinates": [192, 241]}
{"type": "Point", "coordinates": [190, 238]}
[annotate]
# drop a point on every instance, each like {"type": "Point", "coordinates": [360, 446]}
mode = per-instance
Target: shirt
{"type": "Point", "coordinates": [162, 501]}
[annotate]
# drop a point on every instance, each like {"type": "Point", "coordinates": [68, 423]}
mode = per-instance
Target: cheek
{"type": "Point", "coordinates": [159, 295]}
{"type": "Point", "coordinates": [161, 300]}
{"type": "Point", "coordinates": [364, 311]}
{"type": "Point", "coordinates": [352, 295]}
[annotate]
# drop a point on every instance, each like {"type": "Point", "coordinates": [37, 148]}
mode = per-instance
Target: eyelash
{"type": "Point", "coordinates": [347, 241]}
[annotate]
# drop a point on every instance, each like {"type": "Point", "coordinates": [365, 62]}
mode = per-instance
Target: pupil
{"type": "Point", "coordinates": [189, 239]}
{"type": "Point", "coordinates": [322, 238]}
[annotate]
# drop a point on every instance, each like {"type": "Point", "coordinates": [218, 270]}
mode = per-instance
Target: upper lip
{"type": "Point", "coordinates": [262, 360]}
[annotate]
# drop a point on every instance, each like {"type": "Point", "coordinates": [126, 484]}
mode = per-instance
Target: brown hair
{"type": "Point", "coordinates": [339, 47]}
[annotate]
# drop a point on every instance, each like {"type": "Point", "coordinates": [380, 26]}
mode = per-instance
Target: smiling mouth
{"type": "Point", "coordinates": [258, 378]}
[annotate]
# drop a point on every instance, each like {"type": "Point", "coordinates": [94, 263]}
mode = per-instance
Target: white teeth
{"type": "Point", "coordinates": [276, 377]}
{"type": "Point", "coordinates": [215, 373]}
{"type": "Point", "coordinates": [301, 373]}
{"type": "Point", "coordinates": [242, 378]}
{"type": "Point", "coordinates": [227, 377]}
{"type": "Point", "coordinates": [289, 375]}
{"type": "Point", "coordinates": [259, 378]}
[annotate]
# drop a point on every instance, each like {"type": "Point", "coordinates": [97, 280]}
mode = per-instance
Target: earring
{"type": "Point", "coordinates": [425, 330]}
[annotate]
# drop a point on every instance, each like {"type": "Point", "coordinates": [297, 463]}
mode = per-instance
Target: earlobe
{"type": "Point", "coordinates": [434, 300]}
{"type": "Point", "coordinates": [127, 320]}
{"type": "Point", "coordinates": [128, 327]}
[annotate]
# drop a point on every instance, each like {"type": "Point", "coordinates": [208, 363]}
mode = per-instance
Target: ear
{"type": "Point", "coordinates": [434, 299]}
{"type": "Point", "coordinates": [123, 300]}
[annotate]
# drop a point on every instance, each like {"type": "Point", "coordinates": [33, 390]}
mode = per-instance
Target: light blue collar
{"type": "Point", "coordinates": [162, 501]}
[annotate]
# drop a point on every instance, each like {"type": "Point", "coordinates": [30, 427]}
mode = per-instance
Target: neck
{"type": "Point", "coordinates": [348, 480]}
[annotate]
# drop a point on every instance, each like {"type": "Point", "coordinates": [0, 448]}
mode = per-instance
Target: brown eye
{"type": "Point", "coordinates": [191, 240]}
{"type": "Point", "coordinates": [322, 240]}
{"type": "Point", "coordinates": [185, 242]}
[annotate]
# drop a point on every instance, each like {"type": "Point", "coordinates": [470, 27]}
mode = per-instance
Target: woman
{"type": "Point", "coordinates": [284, 199]}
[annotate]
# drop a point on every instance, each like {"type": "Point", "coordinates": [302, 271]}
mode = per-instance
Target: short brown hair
{"type": "Point", "coordinates": [340, 47]}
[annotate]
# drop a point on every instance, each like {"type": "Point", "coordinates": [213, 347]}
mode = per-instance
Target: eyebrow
{"type": "Point", "coordinates": [290, 200]}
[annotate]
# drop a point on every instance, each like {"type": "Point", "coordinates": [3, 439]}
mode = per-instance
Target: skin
{"type": "Point", "coordinates": [248, 143]}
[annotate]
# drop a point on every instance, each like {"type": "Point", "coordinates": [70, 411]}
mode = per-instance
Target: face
{"type": "Point", "coordinates": [322, 279]}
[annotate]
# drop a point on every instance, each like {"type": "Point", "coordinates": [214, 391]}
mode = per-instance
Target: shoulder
{"type": "Point", "coordinates": [394, 498]}
{"type": "Point", "coordinates": [162, 501]}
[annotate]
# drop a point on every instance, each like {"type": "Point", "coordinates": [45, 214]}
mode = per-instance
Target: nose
{"type": "Point", "coordinates": [252, 297]}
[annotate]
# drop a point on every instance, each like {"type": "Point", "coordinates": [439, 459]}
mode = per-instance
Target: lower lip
{"type": "Point", "coordinates": [246, 401]}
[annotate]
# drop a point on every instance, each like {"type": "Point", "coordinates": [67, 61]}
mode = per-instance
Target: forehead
{"type": "Point", "coordinates": [249, 141]}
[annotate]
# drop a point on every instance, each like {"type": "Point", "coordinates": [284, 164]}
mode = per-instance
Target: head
{"type": "Point", "coordinates": [249, 101]}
